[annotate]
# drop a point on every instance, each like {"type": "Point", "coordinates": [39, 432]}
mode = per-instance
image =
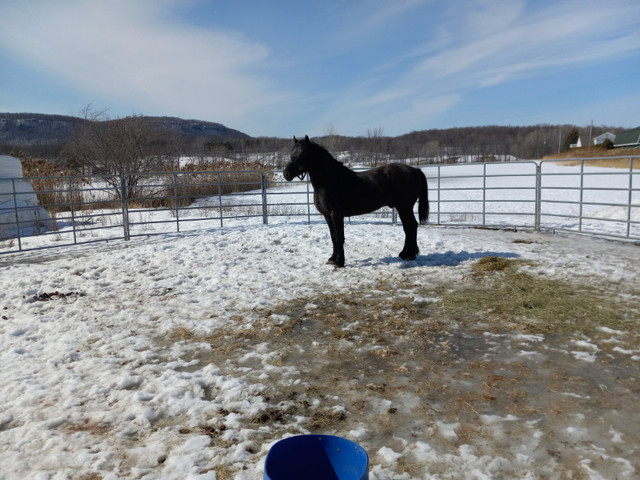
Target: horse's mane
{"type": "Point", "coordinates": [324, 153]}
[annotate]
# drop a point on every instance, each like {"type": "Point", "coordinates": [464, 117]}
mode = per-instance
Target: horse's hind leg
{"type": "Point", "coordinates": [410, 226]}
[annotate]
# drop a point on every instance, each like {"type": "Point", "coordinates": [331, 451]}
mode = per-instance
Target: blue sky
{"type": "Point", "coordinates": [326, 66]}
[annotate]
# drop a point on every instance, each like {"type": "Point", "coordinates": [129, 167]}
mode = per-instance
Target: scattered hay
{"type": "Point", "coordinates": [505, 298]}
{"type": "Point", "coordinates": [224, 472]}
{"type": "Point", "coordinates": [326, 420]}
{"type": "Point", "coordinates": [89, 426]}
{"type": "Point", "coordinates": [269, 416]}
{"type": "Point", "coordinates": [491, 264]}
{"type": "Point", "coordinates": [181, 334]}
{"type": "Point", "coordinates": [88, 476]}
{"type": "Point", "coordinates": [523, 241]}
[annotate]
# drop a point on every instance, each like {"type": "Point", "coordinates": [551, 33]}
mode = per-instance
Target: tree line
{"type": "Point", "coordinates": [124, 146]}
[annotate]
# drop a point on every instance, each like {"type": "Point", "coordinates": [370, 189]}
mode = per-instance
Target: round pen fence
{"type": "Point", "coordinates": [581, 196]}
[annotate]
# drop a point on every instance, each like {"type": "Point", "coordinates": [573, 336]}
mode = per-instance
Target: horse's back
{"type": "Point", "coordinates": [397, 180]}
{"type": "Point", "coordinates": [395, 185]}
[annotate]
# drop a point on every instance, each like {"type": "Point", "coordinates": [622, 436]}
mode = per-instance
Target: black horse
{"type": "Point", "coordinates": [340, 192]}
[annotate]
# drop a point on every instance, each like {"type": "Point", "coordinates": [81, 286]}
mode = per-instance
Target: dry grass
{"type": "Point", "coordinates": [51, 184]}
{"type": "Point", "coordinates": [194, 181]}
{"type": "Point", "coordinates": [605, 162]}
{"type": "Point", "coordinates": [599, 151]}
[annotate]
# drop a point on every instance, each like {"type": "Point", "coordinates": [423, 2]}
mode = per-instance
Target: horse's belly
{"type": "Point", "coordinates": [363, 208]}
{"type": "Point", "coordinates": [356, 202]}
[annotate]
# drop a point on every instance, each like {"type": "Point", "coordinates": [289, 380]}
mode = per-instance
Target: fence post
{"type": "Point", "coordinates": [538, 206]}
{"type": "Point", "coordinates": [15, 209]}
{"type": "Point", "coordinates": [581, 195]}
{"type": "Point", "coordinates": [220, 199]}
{"type": "Point", "coordinates": [71, 205]}
{"type": "Point", "coordinates": [125, 207]}
{"type": "Point", "coordinates": [484, 194]}
{"type": "Point", "coordinates": [263, 184]}
{"type": "Point", "coordinates": [175, 194]}
{"type": "Point", "coordinates": [630, 197]}
{"type": "Point", "coordinates": [439, 205]}
{"type": "Point", "coordinates": [308, 201]}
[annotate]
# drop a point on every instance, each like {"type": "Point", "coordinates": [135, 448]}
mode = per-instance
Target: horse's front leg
{"type": "Point", "coordinates": [338, 239]}
{"type": "Point", "coordinates": [332, 230]}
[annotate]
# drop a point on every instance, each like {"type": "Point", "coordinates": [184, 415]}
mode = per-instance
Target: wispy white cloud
{"type": "Point", "coordinates": [551, 39]}
{"type": "Point", "coordinates": [490, 43]}
{"type": "Point", "coordinates": [383, 12]}
{"type": "Point", "coordinates": [353, 65]}
{"type": "Point", "coordinates": [135, 53]}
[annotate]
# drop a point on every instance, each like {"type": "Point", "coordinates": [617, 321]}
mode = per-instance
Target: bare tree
{"type": "Point", "coordinates": [430, 151]}
{"type": "Point", "coordinates": [123, 147]}
{"type": "Point", "coordinates": [331, 140]}
{"type": "Point", "coordinates": [375, 144]}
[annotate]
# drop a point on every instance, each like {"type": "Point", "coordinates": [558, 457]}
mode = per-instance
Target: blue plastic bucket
{"type": "Point", "coordinates": [316, 457]}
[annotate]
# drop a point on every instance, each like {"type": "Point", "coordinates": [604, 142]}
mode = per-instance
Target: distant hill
{"type": "Point", "coordinates": [19, 130]}
{"type": "Point", "coordinates": [198, 128]}
{"type": "Point", "coordinates": [28, 129]}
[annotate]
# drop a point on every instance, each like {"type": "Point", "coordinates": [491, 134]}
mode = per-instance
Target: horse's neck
{"type": "Point", "coordinates": [326, 170]}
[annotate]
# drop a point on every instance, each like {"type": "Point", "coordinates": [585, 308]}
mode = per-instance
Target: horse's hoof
{"type": "Point", "coordinates": [335, 263]}
{"type": "Point", "coordinates": [407, 256]}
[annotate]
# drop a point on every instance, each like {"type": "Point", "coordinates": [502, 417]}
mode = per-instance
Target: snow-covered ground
{"type": "Point", "coordinates": [187, 355]}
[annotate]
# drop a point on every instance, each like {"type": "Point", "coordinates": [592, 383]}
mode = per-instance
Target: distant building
{"type": "Point", "coordinates": [599, 140]}
{"type": "Point", "coordinates": [628, 139]}
{"type": "Point", "coordinates": [578, 144]}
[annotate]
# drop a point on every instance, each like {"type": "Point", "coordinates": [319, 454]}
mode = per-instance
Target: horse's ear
{"type": "Point", "coordinates": [295, 140]}
{"type": "Point", "coordinates": [306, 138]}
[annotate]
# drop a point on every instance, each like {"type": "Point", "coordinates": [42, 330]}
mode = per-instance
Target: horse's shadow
{"type": "Point", "coordinates": [447, 259]}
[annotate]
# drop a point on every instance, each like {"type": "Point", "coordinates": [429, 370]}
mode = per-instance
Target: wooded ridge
{"type": "Point", "coordinates": [45, 135]}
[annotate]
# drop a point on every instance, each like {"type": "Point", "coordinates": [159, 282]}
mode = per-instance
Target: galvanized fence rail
{"type": "Point", "coordinates": [536, 195]}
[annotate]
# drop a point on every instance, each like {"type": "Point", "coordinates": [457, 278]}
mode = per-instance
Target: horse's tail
{"type": "Point", "coordinates": [423, 198]}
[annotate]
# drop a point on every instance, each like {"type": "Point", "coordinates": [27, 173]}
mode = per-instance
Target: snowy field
{"type": "Point", "coordinates": [187, 355]}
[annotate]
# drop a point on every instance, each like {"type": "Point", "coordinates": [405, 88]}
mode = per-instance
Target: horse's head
{"type": "Point", "coordinates": [300, 160]}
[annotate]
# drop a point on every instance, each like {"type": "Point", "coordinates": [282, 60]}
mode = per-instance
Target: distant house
{"type": "Point", "coordinates": [628, 139]}
{"type": "Point", "coordinates": [578, 144]}
{"type": "Point", "coordinates": [599, 140]}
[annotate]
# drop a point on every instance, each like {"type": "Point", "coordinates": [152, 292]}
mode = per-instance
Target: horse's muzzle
{"type": "Point", "coordinates": [291, 171]}
{"type": "Point", "coordinates": [288, 174]}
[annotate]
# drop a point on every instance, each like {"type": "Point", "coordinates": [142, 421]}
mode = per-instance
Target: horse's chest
{"type": "Point", "coordinates": [324, 200]}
